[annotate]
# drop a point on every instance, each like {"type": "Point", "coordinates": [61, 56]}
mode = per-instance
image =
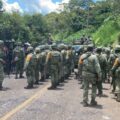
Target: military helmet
{"type": "Point", "coordinates": [37, 50]}
{"type": "Point", "coordinates": [90, 47]}
{"type": "Point", "coordinates": [107, 50]}
{"type": "Point", "coordinates": [61, 46]}
{"type": "Point", "coordinates": [99, 49]}
{"type": "Point", "coordinates": [69, 46]}
{"type": "Point", "coordinates": [117, 49]}
{"type": "Point", "coordinates": [30, 49]}
{"type": "Point", "coordinates": [54, 46]}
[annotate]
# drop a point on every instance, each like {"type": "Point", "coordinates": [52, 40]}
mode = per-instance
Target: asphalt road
{"type": "Point", "coordinates": [64, 103]}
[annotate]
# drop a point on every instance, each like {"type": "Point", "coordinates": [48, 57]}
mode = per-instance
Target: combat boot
{"type": "Point", "coordinates": [21, 76]}
{"type": "Point", "coordinates": [52, 88]}
{"type": "Point", "coordinates": [85, 104]}
{"type": "Point", "coordinates": [93, 102]}
{"type": "Point", "coordinates": [36, 83]}
{"type": "Point", "coordinates": [118, 97]}
{"type": "Point", "coordinates": [29, 86]}
{"type": "Point", "coordinates": [16, 77]}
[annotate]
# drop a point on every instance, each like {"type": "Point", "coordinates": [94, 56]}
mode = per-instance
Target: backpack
{"type": "Point", "coordinates": [33, 61]}
{"type": "Point", "coordinates": [88, 64]}
{"type": "Point", "coordinates": [55, 57]}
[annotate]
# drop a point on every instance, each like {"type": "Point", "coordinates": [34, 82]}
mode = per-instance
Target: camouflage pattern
{"type": "Point", "coordinates": [116, 71]}
{"type": "Point", "coordinates": [19, 58]}
{"type": "Point", "coordinates": [91, 73]}
{"type": "Point", "coordinates": [30, 65]}
{"type": "Point", "coordinates": [103, 63]}
{"type": "Point", "coordinates": [54, 59]}
{"type": "Point", "coordinates": [37, 68]}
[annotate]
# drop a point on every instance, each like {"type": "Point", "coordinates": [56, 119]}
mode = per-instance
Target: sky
{"type": "Point", "coordinates": [31, 6]}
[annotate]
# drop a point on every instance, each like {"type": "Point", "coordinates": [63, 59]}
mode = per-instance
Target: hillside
{"type": "Point", "coordinates": [107, 34]}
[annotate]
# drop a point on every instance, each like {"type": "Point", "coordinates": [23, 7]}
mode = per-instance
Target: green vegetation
{"type": "Point", "coordinates": [100, 20]}
{"type": "Point", "coordinates": [107, 34]}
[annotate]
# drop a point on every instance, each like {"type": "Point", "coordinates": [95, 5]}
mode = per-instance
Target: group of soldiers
{"type": "Point", "coordinates": [97, 66]}
{"type": "Point", "coordinates": [40, 63]}
{"type": "Point", "coordinates": [84, 40]}
{"type": "Point", "coordinates": [56, 62]}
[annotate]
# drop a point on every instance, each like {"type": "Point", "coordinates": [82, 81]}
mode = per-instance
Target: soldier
{"type": "Point", "coordinates": [69, 58]}
{"type": "Point", "coordinates": [111, 62]}
{"type": "Point", "coordinates": [54, 59]}
{"type": "Point", "coordinates": [116, 72]}
{"type": "Point", "coordinates": [103, 62]}
{"type": "Point", "coordinates": [37, 69]}
{"type": "Point", "coordinates": [30, 65]}
{"type": "Point", "coordinates": [91, 73]}
{"type": "Point", "coordinates": [2, 62]}
{"type": "Point", "coordinates": [43, 67]}
{"type": "Point", "coordinates": [64, 53]}
{"type": "Point", "coordinates": [19, 57]}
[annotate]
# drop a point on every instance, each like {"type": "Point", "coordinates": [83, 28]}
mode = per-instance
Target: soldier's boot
{"type": "Point", "coordinates": [42, 79]}
{"type": "Point", "coordinates": [1, 87]}
{"type": "Point", "coordinates": [118, 97]}
{"type": "Point", "coordinates": [36, 83]}
{"type": "Point", "coordinates": [52, 87]}
{"type": "Point", "coordinates": [29, 86]}
{"type": "Point", "coordinates": [21, 76]}
{"type": "Point", "coordinates": [85, 104]}
{"type": "Point", "coordinates": [16, 76]}
{"type": "Point", "coordinates": [93, 102]}
{"type": "Point", "coordinates": [62, 79]}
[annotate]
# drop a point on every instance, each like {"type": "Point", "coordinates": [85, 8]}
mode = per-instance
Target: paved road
{"type": "Point", "coordinates": [64, 103]}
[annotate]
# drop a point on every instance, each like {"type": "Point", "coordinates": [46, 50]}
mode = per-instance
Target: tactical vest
{"type": "Point", "coordinates": [88, 64]}
{"type": "Point", "coordinates": [33, 62]}
{"type": "Point", "coordinates": [55, 58]}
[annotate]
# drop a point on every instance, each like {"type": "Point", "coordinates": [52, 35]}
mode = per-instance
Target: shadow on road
{"type": "Point", "coordinates": [97, 107]}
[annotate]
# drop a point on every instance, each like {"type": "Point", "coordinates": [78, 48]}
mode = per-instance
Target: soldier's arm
{"type": "Point", "coordinates": [80, 66]}
{"type": "Point", "coordinates": [28, 58]}
{"type": "Point", "coordinates": [116, 64]}
{"type": "Point", "coordinates": [98, 69]}
{"type": "Point", "coordinates": [49, 55]}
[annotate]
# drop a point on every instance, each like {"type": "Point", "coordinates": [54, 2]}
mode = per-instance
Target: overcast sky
{"type": "Point", "coordinates": [39, 6]}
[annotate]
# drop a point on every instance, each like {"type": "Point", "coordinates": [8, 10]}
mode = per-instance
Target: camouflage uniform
{"type": "Point", "coordinates": [54, 59]}
{"type": "Point", "coordinates": [69, 58]}
{"type": "Point", "coordinates": [29, 67]}
{"type": "Point", "coordinates": [64, 53]}
{"type": "Point", "coordinates": [19, 58]}
{"type": "Point", "coordinates": [111, 61]}
{"type": "Point", "coordinates": [1, 64]}
{"type": "Point", "coordinates": [43, 67]}
{"type": "Point", "coordinates": [37, 68]}
{"type": "Point", "coordinates": [116, 71]}
{"type": "Point", "coordinates": [91, 73]}
{"type": "Point", "coordinates": [103, 62]}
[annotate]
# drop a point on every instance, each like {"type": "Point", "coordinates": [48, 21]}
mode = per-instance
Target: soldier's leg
{"type": "Point", "coordinates": [118, 93]}
{"type": "Point", "coordinates": [99, 87]}
{"type": "Point", "coordinates": [30, 82]}
{"type": "Point", "coordinates": [16, 70]}
{"type": "Point", "coordinates": [113, 84]}
{"type": "Point", "coordinates": [93, 95]}
{"type": "Point", "coordinates": [36, 76]}
{"type": "Point", "coordinates": [21, 70]}
{"type": "Point", "coordinates": [1, 80]}
{"type": "Point", "coordinates": [85, 89]}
